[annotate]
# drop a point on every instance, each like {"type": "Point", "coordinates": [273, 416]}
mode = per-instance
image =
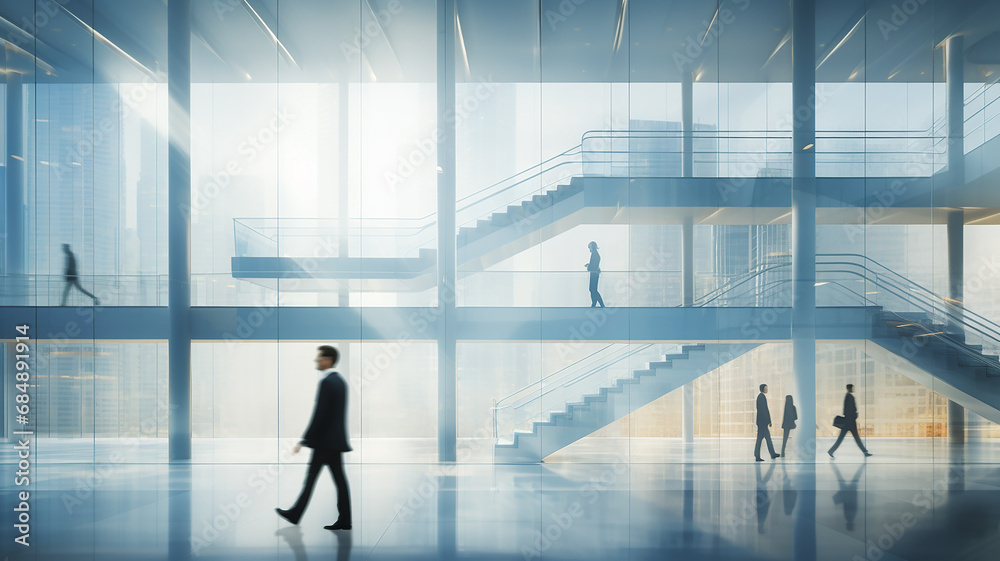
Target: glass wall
{"type": "Point", "coordinates": [661, 132]}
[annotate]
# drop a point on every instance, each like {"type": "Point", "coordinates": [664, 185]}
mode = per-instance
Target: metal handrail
{"type": "Point", "coordinates": [928, 294]}
{"type": "Point", "coordinates": [567, 372]}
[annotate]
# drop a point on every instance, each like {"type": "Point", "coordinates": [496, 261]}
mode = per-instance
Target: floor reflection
{"type": "Point", "coordinates": [618, 510]}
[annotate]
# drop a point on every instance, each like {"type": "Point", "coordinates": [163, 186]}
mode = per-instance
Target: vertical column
{"type": "Point", "coordinates": [179, 225]}
{"type": "Point", "coordinates": [343, 198]}
{"type": "Point", "coordinates": [804, 262]}
{"type": "Point", "coordinates": [687, 237]}
{"type": "Point", "coordinates": [343, 201]}
{"type": "Point", "coordinates": [687, 284]}
{"type": "Point", "coordinates": [16, 263]}
{"type": "Point", "coordinates": [956, 259]}
{"type": "Point", "coordinates": [687, 123]}
{"type": "Point", "coordinates": [954, 53]}
{"type": "Point", "coordinates": [446, 208]}
{"type": "Point", "coordinates": [804, 221]}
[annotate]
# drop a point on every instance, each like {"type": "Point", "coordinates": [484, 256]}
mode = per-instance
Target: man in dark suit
{"type": "Point", "coordinates": [72, 278]}
{"type": "Point", "coordinates": [850, 423]}
{"type": "Point", "coordinates": [763, 422]}
{"type": "Point", "coordinates": [327, 436]}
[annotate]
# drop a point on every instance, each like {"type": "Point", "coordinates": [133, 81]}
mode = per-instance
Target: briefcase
{"type": "Point", "coordinates": [839, 421]}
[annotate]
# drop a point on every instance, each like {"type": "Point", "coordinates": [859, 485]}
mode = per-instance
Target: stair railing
{"type": "Point", "coordinates": [526, 403]}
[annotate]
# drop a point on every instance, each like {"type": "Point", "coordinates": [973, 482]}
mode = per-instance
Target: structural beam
{"type": "Point", "coordinates": [343, 193]}
{"type": "Point", "coordinates": [687, 124]}
{"type": "Point", "coordinates": [15, 265]}
{"type": "Point", "coordinates": [804, 222]}
{"type": "Point", "coordinates": [446, 208]}
{"type": "Point", "coordinates": [687, 237]}
{"type": "Point", "coordinates": [179, 225]}
{"type": "Point", "coordinates": [955, 111]}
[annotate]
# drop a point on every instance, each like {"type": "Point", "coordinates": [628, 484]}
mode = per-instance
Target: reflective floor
{"type": "Point", "coordinates": [846, 509]}
{"type": "Point", "coordinates": [590, 449]}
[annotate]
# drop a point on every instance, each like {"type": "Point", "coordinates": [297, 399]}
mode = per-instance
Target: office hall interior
{"type": "Point", "coordinates": [561, 248]}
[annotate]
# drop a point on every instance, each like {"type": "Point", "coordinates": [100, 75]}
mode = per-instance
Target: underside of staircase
{"type": "Point", "coordinates": [617, 400]}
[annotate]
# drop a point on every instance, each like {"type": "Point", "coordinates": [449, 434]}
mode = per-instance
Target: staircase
{"type": "Point", "coordinates": [615, 400]}
{"type": "Point", "coordinates": [496, 237]}
{"type": "Point", "coordinates": [942, 358]}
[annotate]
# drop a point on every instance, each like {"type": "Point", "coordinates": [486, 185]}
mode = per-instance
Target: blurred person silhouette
{"type": "Point", "coordinates": [594, 266]}
{"type": "Point", "coordinates": [788, 422]}
{"type": "Point", "coordinates": [789, 496]}
{"type": "Point", "coordinates": [293, 537]}
{"type": "Point", "coordinates": [763, 497]}
{"type": "Point", "coordinates": [763, 422]}
{"type": "Point", "coordinates": [327, 436]}
{"type": "Point", "coordinates": [848, 495]}
{"type": "Point", "coordinates": [850, 423]}
{"type": "Point", "coordinates": [72, 278]}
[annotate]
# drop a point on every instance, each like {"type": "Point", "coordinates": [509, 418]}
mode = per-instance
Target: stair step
{"type": "Point", "coordinates": [501, 219]}
{"type": "Point", "coordinates": [661, 364]}
{"type": "Point", "coordinates": [515, 212]}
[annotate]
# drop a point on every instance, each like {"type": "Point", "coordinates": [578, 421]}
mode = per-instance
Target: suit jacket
{"type": "Point", "coordinates": [763, 413]}
{"type": "Point", "coordinates": [70, 269]}
{"type": "Point", "coordinates": [328, 427]}
{"type": "Point", "coordinates": [850, 408]}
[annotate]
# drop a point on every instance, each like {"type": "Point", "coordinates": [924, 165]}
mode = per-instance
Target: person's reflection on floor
{"type": "Point", "coordinates": [848, 495]}
{"type": "Point", "coordinates": [789, 495]}
{"type": "Point", "coordinates": [763, 497]}
{"type": "Point", "coordinates": [293, 537]}
{"type": "Point", "coordinates": [345, 542]}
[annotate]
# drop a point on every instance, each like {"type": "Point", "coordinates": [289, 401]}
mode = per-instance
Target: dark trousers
{"type": "Point", "coordinates": [784, 441]}
{"type": "Point", "coordinates": [853, 429]}
{"type": "Point", "coordinates": [70, 283]}
{"type": "Point", "coordinates": [335, 460]}
{"type": "Point", "coordinates": [595, 296]}
{"type": "Point", "coordinates": [763, 433]}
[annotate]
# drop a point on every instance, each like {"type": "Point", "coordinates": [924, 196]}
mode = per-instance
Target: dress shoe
{"type": "Point", "coordinates": [287, 515]}
{"type": "Point", "coordinates": [338, 525]}
{"type": "Point", "coordinates": [759, 460]}
{"type": "Point", "coordinates": [867, 454]}
{"type": "Point", "coordinates": [830, 453]}
{"type": "Point", "coordinates": [776, 456]}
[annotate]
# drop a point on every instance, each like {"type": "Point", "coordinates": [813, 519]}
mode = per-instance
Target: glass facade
{"type": "Point", "coordinates": [661, 131]}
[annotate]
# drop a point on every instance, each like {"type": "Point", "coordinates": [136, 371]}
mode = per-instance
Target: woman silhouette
{"type": "Point", "coordinates": [788, 423]}
{"type": "Point", "coordinates": [595, 272]}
